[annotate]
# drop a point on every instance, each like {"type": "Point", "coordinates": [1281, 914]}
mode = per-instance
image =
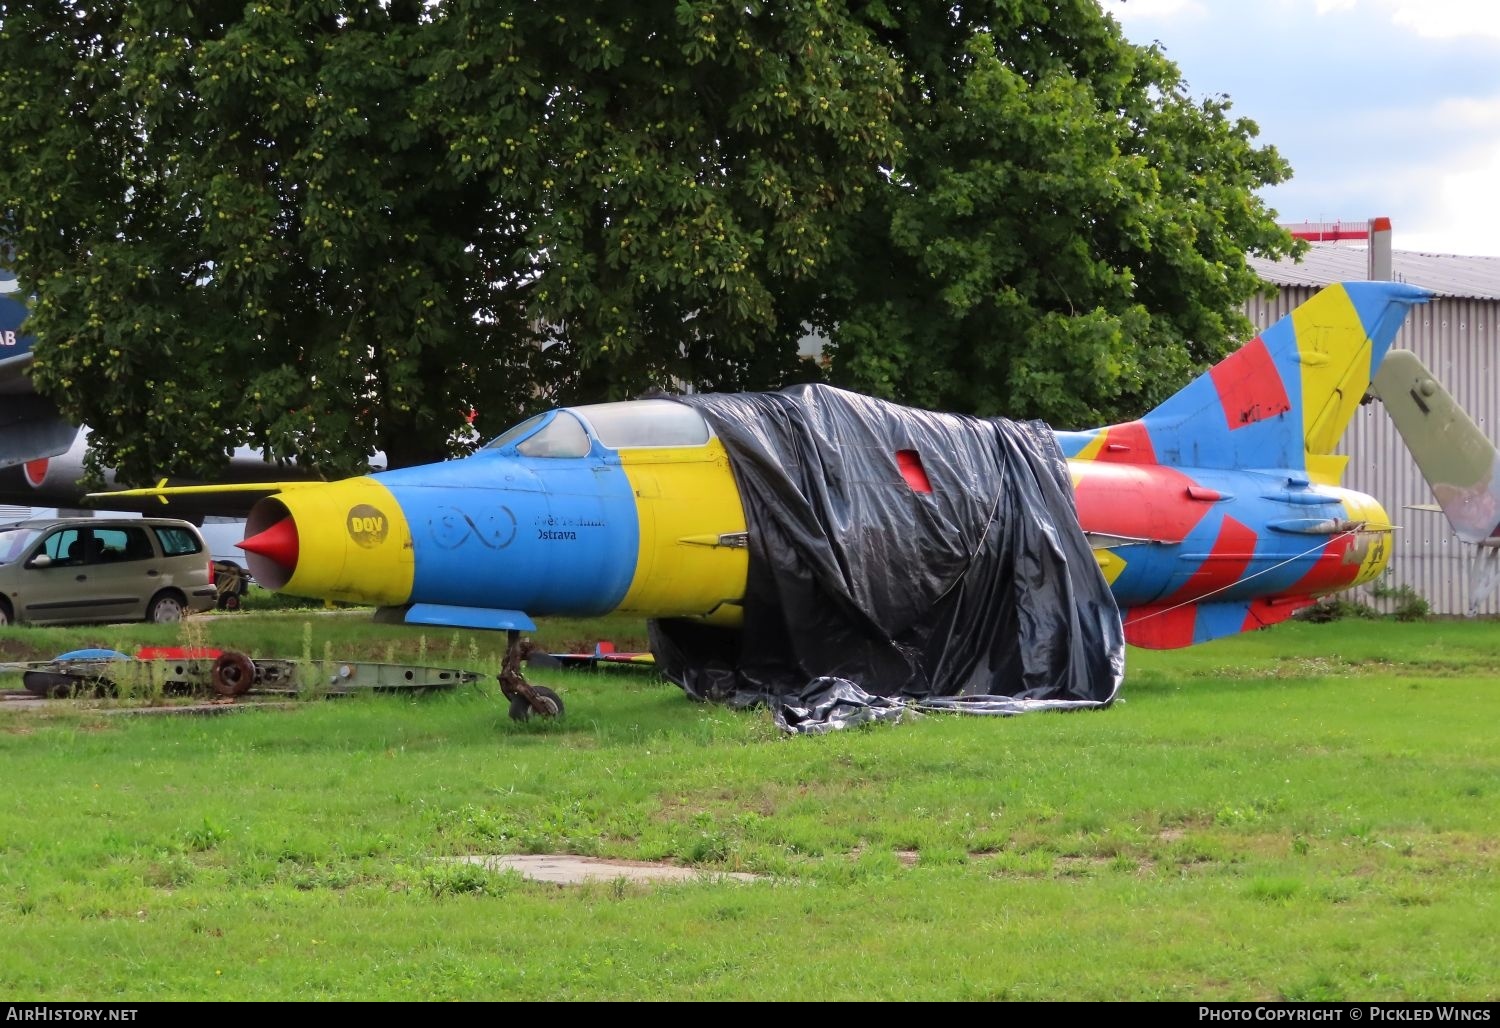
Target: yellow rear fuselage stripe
{"type": "Point", "coordinates": [685, 493]}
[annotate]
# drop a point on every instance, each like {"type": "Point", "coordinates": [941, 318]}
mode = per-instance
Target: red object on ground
{"type": "Point", "coordinates": [175, 652]}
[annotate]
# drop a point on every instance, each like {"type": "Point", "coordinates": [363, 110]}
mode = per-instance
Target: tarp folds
{"type": "Point", "coordinates": [899, 555]}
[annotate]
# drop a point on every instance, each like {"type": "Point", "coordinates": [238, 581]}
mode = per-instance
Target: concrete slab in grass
{"type": "Point", "coordinates": [565, 869]}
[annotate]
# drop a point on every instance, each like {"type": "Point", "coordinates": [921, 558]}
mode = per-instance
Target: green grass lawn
{"type": "Point", "coordinates": [1311, 812]}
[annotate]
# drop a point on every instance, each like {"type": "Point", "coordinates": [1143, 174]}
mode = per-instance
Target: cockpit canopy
{"type": "Point", "coordinates": [632, 424]}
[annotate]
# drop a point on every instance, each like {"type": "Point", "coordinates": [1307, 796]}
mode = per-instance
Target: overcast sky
{"type": "Point", "coordinates": [1383, 107]}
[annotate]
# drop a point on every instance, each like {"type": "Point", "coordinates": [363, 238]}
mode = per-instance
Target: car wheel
{"type": "Point", "coordinates": [4, 614]}
{"type": "Point", "coordinates": [165, 608]}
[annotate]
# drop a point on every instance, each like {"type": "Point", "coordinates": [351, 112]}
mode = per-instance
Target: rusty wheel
{"type": "Point", "coordinates": [233, 674]}
{"type": "Point", "coordinates": [520, 710]}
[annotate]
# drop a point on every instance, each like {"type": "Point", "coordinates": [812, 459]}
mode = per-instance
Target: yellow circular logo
{"type": "Point", "coordinates": [367, 526]}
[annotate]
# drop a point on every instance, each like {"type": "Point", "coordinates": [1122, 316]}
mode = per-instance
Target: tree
{"type": "Point", "coordinates": [1065, 231]}
{"type": "Point", "coordinates": [226, 216]}
{"type": "Point", "coordinates": [686, 167]}
{"type": "Point", "coordinates": [324, 227]}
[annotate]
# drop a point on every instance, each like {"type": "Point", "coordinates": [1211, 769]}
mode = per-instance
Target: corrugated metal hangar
{"type": "Point", "coordinates": [1457, 336]}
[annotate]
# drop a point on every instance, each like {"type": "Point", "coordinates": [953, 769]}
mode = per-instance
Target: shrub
{"type": "Point", "coordinates": [1331, 608]}
{"type": "Point", "coordinates": [1409, 605]}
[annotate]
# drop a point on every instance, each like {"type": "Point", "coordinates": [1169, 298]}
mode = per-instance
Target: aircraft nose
{"type": "Point", "coordinates": [344, 541]}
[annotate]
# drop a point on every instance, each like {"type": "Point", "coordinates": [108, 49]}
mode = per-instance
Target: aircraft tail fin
{"type": "Point", "coordinates": [1459, 462]}
{"type": "Point", "coordinates": [31, 427]}
{"type": "Point", "coordinates": [1280, 401]}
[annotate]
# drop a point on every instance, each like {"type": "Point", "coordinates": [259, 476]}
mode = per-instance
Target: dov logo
{"type": "Point", "coordinates": [367, 526]}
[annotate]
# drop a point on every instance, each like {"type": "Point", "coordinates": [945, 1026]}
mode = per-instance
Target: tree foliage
{"type": "Point", "coordinates": [324, 227]}
{"type": "Point", "coordinates": [1064, 236]}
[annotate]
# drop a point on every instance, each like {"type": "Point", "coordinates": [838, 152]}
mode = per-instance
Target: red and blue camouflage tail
{"type": "Point", "coordinates": [1219, 511]}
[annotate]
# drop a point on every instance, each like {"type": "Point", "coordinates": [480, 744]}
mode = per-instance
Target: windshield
{"type": "Point", "coordinates": [563, 437]}
{"type": "Point", "coordinates": [560, 435]}
{"type": "Point", "coordinates": [515, 432]}
{"type": "Point", "coordinates": [14, 541]}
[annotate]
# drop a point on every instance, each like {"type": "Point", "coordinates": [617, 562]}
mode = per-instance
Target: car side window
{"type": "Point", "coordinates": [65, 547]}
{"type": "Point", "coordinates": [112, 545]}
{"type": "Point", "coordinates": [177, 542]}
{"type": "Point", "coordinates": [138, 544]}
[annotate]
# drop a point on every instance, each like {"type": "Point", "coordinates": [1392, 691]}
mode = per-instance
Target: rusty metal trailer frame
{"type": "Point", "coordinates": [232, 674]}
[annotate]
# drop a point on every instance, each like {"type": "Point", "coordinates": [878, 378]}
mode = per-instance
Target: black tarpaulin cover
{"type": "Point", "coordinates": [867, 592]}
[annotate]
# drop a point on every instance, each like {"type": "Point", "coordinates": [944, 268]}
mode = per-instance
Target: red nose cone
{"type": "Point", "coordinates": [278, 543]}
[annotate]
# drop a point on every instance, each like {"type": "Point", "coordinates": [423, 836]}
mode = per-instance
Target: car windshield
{"type": "Point", "coordinates": [13, 543]}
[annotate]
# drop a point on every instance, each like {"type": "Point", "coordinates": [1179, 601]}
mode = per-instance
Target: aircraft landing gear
{"type": "Point", "coordinates": [525, 698]}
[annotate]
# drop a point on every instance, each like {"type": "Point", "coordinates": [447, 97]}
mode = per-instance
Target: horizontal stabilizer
{"type": "Point", "coordinates": [1459, 462]}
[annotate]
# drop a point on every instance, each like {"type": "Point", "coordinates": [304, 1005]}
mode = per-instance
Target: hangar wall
{"type": "Point", "coordinates": [1458, 338]}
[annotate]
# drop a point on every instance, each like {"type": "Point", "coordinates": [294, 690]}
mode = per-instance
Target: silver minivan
{"type": "Point", "coordinates": [76, 570]}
